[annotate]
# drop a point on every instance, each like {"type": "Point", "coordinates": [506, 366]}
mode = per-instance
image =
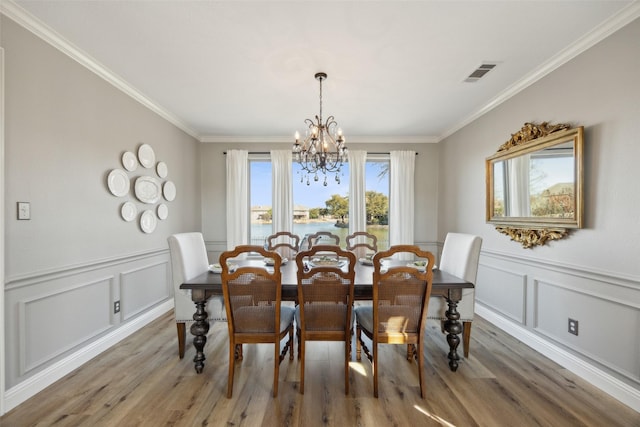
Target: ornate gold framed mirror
{"type": "Point", "coordinates": [534, 183]}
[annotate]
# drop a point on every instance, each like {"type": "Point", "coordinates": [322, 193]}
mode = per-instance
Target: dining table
{"type": "Point", "coordinates": [209, 284]}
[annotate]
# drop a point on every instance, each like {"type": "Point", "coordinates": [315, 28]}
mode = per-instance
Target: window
{"type": "Point", "coordinates": [259, 200]}
{"type": "Point", "coordinates": [318, 207]}
{"type": "Point", "coordinates": [377, 200]}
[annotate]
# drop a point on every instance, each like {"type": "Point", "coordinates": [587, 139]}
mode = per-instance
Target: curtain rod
{"type": "Point", "coordinates": [268, 152]}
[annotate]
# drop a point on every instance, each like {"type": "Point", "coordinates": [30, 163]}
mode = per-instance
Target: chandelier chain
{"type": "Point", "coordinates": [320, 120]}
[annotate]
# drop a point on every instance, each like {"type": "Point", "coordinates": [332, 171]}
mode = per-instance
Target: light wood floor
{"type": "Point", "coordinates": [141, 382]}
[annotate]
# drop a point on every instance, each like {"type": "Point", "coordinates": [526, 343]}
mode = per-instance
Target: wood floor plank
{"type": "Point", "coordinates": [142, 382]}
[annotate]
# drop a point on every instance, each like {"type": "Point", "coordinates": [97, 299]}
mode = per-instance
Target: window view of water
{"type": "Point", "coordinates": [319, 206]}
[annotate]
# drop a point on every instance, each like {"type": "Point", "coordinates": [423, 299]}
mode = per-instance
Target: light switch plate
{"type": "Point", "coordinates": [24, 210]}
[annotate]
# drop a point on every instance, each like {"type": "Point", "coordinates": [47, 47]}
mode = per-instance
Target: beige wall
{"type": "Point", "coordinates": [65, 129]}
{"type": "Point", "coordinates": [593, 275]}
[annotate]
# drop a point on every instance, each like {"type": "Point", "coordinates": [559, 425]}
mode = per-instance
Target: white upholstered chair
{"type": "Point", "coordinates": [189, 260]}
{"type": "Point", "coordinates": [460, 256]}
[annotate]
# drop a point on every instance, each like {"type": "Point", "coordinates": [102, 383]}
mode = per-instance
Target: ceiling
{"type": "Point", "coordinates": [244, 70]}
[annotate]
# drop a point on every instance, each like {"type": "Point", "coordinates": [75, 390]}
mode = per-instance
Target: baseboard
{"type": "Point", "coordinates": [619, 390]}
{"type": "Point", "coordinates": [35, 384]}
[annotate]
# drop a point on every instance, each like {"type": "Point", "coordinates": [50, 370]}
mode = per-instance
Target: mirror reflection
{"type": "Point", "coordinates": [537, 183]}
{"type": "Point", "coordinates": [540, 184]}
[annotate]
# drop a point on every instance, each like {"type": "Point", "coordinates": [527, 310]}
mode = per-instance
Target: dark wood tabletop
{"type": "Point", "coordinates": [210, 282]}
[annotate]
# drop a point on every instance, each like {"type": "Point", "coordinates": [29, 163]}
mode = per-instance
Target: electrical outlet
{"type": "Point", "coordinates": [573, 327]}
{"type": "Point", "coordinates": [24, 210]}
{"type": "Point", "coordinates": [116, 307]}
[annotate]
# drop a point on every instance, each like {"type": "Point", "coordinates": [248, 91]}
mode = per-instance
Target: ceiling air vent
{"type": "Point", "coordinates": [479, 72]}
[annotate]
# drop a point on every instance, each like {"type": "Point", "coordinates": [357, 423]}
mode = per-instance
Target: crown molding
{"type": "Point", "coordinates": [216, 139]}
{"type": "Point", "coordinates": [599, 33]}
{"type": "Point", "coordinates": [14, 12]}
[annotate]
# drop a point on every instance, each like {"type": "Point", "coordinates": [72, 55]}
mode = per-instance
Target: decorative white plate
{"type": "Point", "coordinates": [118, 182]}
{"type": "Point", "coordinates": [163, 211]}
{"type": "Point", "coordinates": [215, 268]}
{"type": "Point", "coordinates": [128, 211]}
{"type": "Point", "coordinates": [146, 156]}
{"type": "Point", "coordinates": [162, 170]}
{"type": "Point", "coordinates": [418, 265]}
{"type": "Point", "coordinates": [148, 221]}
{"type": "Point", "coordinates": [129, 161]}
{"type": "Point", "coordinates": [147, 189]}
{"type": "Point", "coordinates": [327, 262]}
{"type": "Point", "coordinates": [169, 190]}
{"type": "Point", "coordinates": [270, 262]}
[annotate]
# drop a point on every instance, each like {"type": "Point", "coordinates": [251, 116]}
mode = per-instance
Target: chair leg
{"type": "Point", "coordinates": [276, 367]}
{"type": "Point", "coordinates": [358, 337]}
{"type": "Point", "coordinates": [420, 346]}
{"type": "Point", "coordinates": [291, 339]}
{"type": "Point", "coordinates": [374, 368]}
{"type": "Point", "coordinates": [466, 337]}
{"type": "Point", "coordinates": [347, 354]}
{"type": "Point", "coordinates": [298, 335]}
{"type": "Point", "coordinates": [232, 363]}
{"type": "Point", "coordinates": [182, 332]}
{"type": "Point", "coordinates": [301, 354]}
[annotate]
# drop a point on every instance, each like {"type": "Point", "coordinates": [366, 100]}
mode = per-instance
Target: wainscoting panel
{"type": "Point", "coordinates": [533, 299]}
{"type": "Point", "coordinates": [143, 288]}
{"type": "Point", "coordinates": [52, 316]}
{"type": "Point", "coordinates": [53, 323]}
{"type": "Point", "coordinates": [503, 290]}
{"type": "Point", "coordinates": [603, 325]}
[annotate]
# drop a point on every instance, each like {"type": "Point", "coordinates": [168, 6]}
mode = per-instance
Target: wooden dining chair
{"type": "Point", "coordinates": [323, 238]}
{"type": "Point", "coordinates": [253, 297]}
{"type": "Point", "coordinates": [361, 242]}
{"type": "Point", "coordinates": [398, 314]}
{"type": "Point", "coordinates": [285, 243]}
{"type": "Point", "coordinates": [325, 302]}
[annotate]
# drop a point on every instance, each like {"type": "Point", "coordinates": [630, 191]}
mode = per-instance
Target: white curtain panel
{"type": "Point", "coordinates": [357, 190]}
{"type": "Point", "coordinates": [518, 171]}
{"type": "Point", "coordinates": [237, 198]}
{"type": "Point", "coordinates": [282, 187]}
{"type": "Point", "coordinates": [401, 197]}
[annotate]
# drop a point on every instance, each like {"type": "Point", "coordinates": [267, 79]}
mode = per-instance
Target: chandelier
{"type": "Point", "coordinates": [323, 148]}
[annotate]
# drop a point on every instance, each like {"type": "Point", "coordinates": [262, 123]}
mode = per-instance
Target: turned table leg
{"type": "Point", "coordinates": [453, 327]}
{"type": "Point", "coordinates": [199, 329]}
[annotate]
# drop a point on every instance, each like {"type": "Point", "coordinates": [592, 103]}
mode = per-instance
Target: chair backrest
{"type": "Point", "coordinates": [322, 237]}
{"type": "Point", "coordinates": [188, 257]}
{"type": "Point", "coordinates": [285, 243]}
{"type": "Point", "coordinates": [252, 294]}
{"type": "Point", "coordinates": [188, 260]}
{"type": "Point", "coordinates": [325, 292]}
{"type": "Point", "coordinates": [362, 242]}
{"type": "Point", "coordinates": [401, 294]}
{"type": "Point", "coordinates": [460, 255]}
